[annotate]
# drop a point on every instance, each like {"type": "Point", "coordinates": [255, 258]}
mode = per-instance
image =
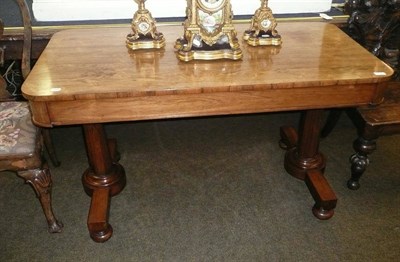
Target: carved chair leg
{"type": "Point", "coordinates": [50, 146]}
{"type": "Point", "coordinates": [40, 179]}
{"type": "Point", "coordinates": [364, 145]}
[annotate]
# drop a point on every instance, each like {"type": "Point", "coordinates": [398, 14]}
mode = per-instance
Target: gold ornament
{"type": "Point", "coordinates": [208, 32]}
{"type": "Point", "coordinates": [262, 30]}
{"type": "Point", "coordinates": [144, 32]}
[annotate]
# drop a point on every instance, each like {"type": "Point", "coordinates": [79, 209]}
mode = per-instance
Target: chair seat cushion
{"type": "Point", "coordinates": [17, 132]}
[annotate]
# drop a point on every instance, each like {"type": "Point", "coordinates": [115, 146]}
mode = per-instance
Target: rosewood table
{"type": "Point", "coordinates": [88, 77]}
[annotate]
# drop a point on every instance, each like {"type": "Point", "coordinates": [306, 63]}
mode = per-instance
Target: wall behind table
{"type": "Point", "coordinates": [9, 13]}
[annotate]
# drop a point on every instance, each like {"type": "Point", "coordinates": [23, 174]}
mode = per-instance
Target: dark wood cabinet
{"type": "Point", "coordinates": [375, 24]}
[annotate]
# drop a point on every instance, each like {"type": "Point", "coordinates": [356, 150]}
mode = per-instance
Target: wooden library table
{"type": "Point", "coordinates": [88, 77]}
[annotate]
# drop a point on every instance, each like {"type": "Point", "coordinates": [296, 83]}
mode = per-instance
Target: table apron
{"type": "Point", "coordinates": [103, 110]}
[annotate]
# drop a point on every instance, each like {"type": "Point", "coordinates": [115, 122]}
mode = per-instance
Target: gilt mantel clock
{"type": "Point", "coordinates": [262, 30]}
{"type": "Point", "coordinates": [144, 32]}
{"type": "Point", "coordinates": [208, 32]}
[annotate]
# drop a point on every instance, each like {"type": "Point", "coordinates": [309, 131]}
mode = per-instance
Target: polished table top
{"type": "Point", "coordinates": [88, 76]}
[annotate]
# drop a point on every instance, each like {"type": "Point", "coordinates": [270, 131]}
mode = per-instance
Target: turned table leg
{"type": "Point", "coordinates": [304, 161]}
{"type": "Point", "coordinates": [364, 145]}
{"type": "Point", "coordinates": [104, 178]}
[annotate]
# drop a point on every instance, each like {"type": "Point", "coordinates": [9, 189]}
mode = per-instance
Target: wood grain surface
{"type": "Point", "coordinates": [89, 76]}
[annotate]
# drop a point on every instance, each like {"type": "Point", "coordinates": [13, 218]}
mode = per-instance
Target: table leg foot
{"type": "Point", "coordinates": [99, 228]}
{"type": "Point", "coordinates": [101, 189]}
{"type": "Point", "coordinates": [104, 179]}
{"type": "Point", "coordinates": [325, 198]}
{"type": "Point", "coordinates": [304, 161]}
{"type": "Point", "coordinates": [321, 213]}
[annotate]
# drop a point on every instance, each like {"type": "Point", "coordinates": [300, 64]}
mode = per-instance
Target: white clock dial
{"type": "Point", "coordinates": [143, 26]}
{"type": "Point", "coordinates": [211, 4]}
{"type": "Point", "coordinates": [266, 23]}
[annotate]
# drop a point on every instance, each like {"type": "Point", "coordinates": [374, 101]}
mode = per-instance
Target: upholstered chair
{"type": "Point", "coordinates": [21, 142]}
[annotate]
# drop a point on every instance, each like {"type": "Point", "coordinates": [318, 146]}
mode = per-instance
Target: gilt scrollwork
{"type": "Point", "coordinates": [144, 33]}
{"type": "Point", "coordinates": [263, 28]}
{"type": "Point", "coordinates": [208, 32]}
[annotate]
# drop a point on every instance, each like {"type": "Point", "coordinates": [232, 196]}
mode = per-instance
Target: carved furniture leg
{"type": "Point", "coordinates": [103, 179]}
{"type": "Point", "coordinates": [304, 161]}
{"type": "Point", "coordinates": [364, 145]}
{"type": "Point", "coordinates": [40, 179]}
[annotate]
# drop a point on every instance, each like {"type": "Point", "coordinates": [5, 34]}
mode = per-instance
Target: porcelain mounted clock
{"type": "Point", "coordinates": [208, 32]}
